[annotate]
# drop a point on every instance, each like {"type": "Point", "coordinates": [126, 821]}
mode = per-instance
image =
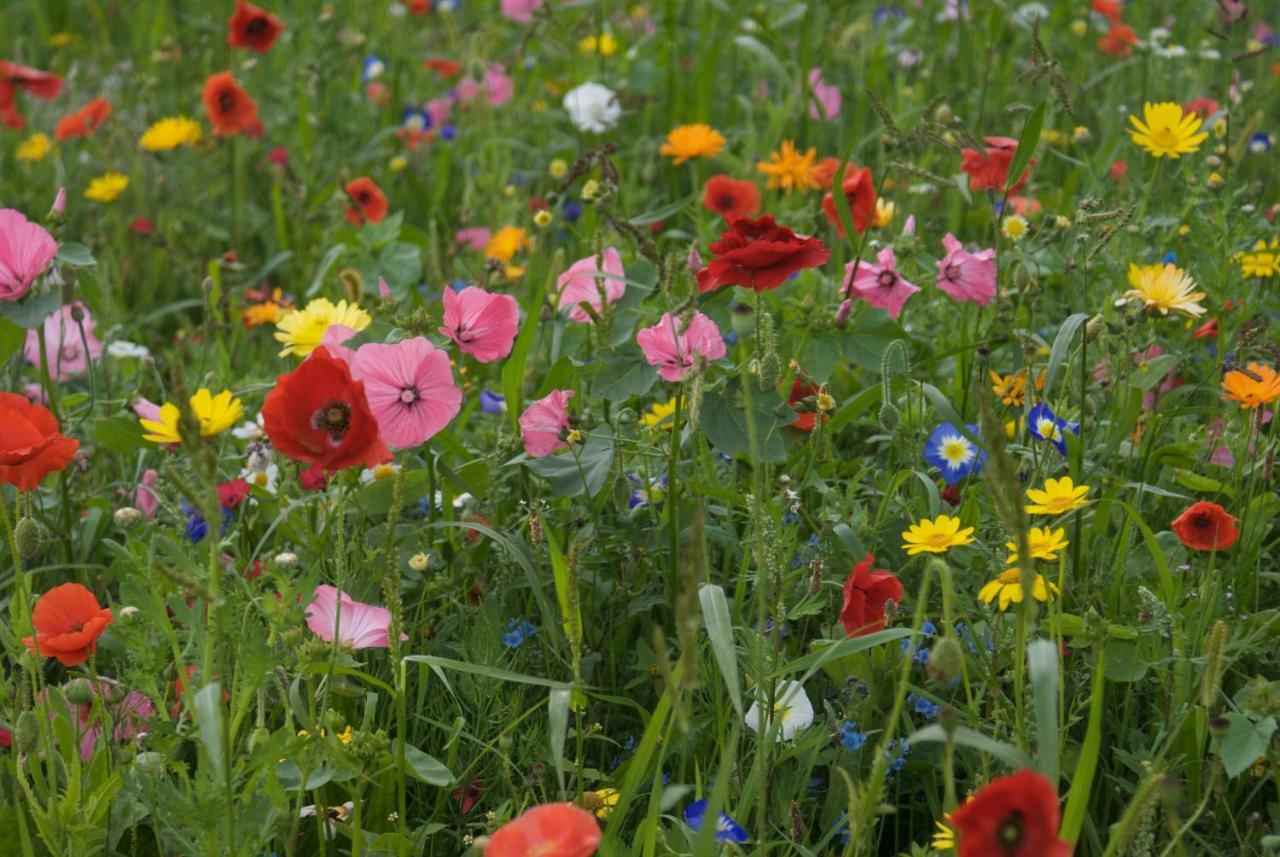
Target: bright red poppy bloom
{"type": "Point", "coordinates": [230, 109]}
{"type": "Point", "coordinates": [1013, 816]}
{"type": "Point", "coordinates": [443, 67]}
{"type": "Point", "coordinates": [68, 621]}
{"type": "Point", "coordinates": [1206, 526]}
{"type": "Point", "coordinates": [731, 198]}
{"type": "Point", "coordinates": [6, 738]}
{"type": "Point", "coordinates": [233, 493]}
{"type": "Point", "coordinates": [990, 169]}
{"type": "Point", "coordinates": [84, 121]}
{"type": "Point", "coordinates": [253, 28]}
{"type": "Point", "coordinates": [1202, 107]}
{"type": "Point", "coordinates": [318, 414]}
{"type": "Point", "coordinates": [419, 7]}
{"type": "Point", "coordinates": [860, 191]}
{"type": "Point", "coordinates": [313, 479]}
{"type": "Point", "coordinates": [825, 172]}
{"type": "Point", "coordinates": [1109, 9]}
{"type": "Point", "coordinates": [369, 202]}
{"type": "Point", "coordinates": [41, 84]}
{"type": "Point", "coordinates": [1119, 40]}
{"type": "Point", "coordinates": [805, 420]}
{"type": "Point", "coordinates": [549, 830]}
{"type": "Point", "coordinates": [759, 254]}
{"type": "Point", "coordinates": [866, 592]}
{"type": "Point", "coordinates": [31, 446]}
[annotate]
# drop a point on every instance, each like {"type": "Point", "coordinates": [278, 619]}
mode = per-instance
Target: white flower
{"type": "Point", "coordinates": [592, 107]}
{"type": "Point", "coordinates": [459, 500]}
{"type": "Point", "coordinates": [264, 478]}
{"type": "Point", "coordinates": [123, 348]}
{"type": "Point", "coordinates": [370, 475]}
{"type": "Point", "coordinates": [791, 705]}
{"type": "Point", "coordinates": [251, 430]}
{"type": "Point", "coordinates": [332, 814]}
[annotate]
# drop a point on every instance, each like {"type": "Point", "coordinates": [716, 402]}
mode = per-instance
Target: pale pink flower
{"type": "Point", "coordinates": [520, 10]}
{"type": "Point", "coordinates": [879, 285]}
{"type": "Point", "coordinates": [26, 249]}
{"type": "Point", "coordinates": [409, 387]}
{"type": "Point", "coordinates": [473, 237]}
{"type": "Point", "coordinates": [144, 496]}
{"type": "Point", "coordinates": [334, 336]}
{"type": "Point", "coordinates": [500, 86]}
{"type": "Point", "coordinates": [578, 285]}
{"type": "Point", "coordinates": [825, 103]}
{"type": "Point", "coordinates": [467, 89]}
{"type": "Point", "coordinates": [544, 424]}
{"type": "Point", "coordinates": [384, 290]}
{"type": "Point", "coordinates": [334, 614]}
{"type": "Point", "coordinates": [967, 276]}
{"type": "Point", "coordinates": [675, 352]}
{"type": "Point", "coordinates": [146, 409]}
{"type": "Point", "coordinates": [483, 324]}
{"type": "Point", "coordinates": [64, 347]}
{"type": "Point", "coordinates": [59, 202]}
{"type": "Point", "coordinates": [440, 110]}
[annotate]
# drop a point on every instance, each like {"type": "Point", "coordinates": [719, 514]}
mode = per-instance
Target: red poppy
{"type": "Point", "coordinates": [253, 28]}
{"type": "Point", "coordinates": [990, 169]}
{"type": "Point", "coordinates": [443, 67]}
{"type": "Point", "coordinates": [41, 84]}
{"type": "Point", "coordinates": [866, 592]}
{"type": "Point", "coordinates": [825, 172]}
{"type": "Point", "coordinates": [1118, 170]}
{"type": "Point", "coordinates": [549, 830]}
{"type": "Point", "coordinates": [469, 795]}
{"type": "Point", "coordinates": [1109, 9]}
{"type": "Point", "coordinates": [1208, 330]}
{"type": "Point", "coordinates": [1119, 40]}
{"type": "Point", "coordinates": [31, 447]}
{"type": "Point", "coordinates": [318, 414]}
{"type": "Point", "coordinates": [1202, 107]}
{"type": "Point", "coordinates": [800, 391]}
{"type": "Point", "coordinates": [860, 190]}
{"type": "Point", "coordinates": [233, 493]}
{"type": "Point", "coordinates": [419, 7]}
{"type": "Point", "coordinates": [313, 479]}
{"type": "Point", "coordinates": [142, 226]}
{"type": "Point", "coordinates": [1013, 816]}
{"type": "Point", "coordinates": [369, 198]}
{"type": "Point", "coordinates": [731, 198]}
{"type": "Point", "coordinates": [951, 494]}
{"type": "Point", "coordinates": [1206, 526]}
{"type": "Point", "coordinates": [759, 254]}
{"type": "Point", "coordinates": [230, 109]}
{"type": "Point", "coordinates": [6, 738]}
{"type": "Point", "coordinates": [84, 121]}
{"type": "Point", "coordinates": [68, 621]}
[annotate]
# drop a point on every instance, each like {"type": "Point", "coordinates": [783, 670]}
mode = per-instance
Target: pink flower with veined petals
{"type": "Point", "coordinates": [675, 352]}
{"type": "Point", "coordinates": [967, 276]}
{"type": "Point", "coordinates": [826, 96]}
{"type": "Point", "coordinates": [356, 625]}
{"type": "Point", "coordinates": [26, 250]}
{"type": "Point", "coordinates": [483, 324]}
{"type": "Point", "coordinates": [64, 348]}
{"type": "Point", "coordinates": [473, 237]}
{"type": "Point", "coordinates": [578, 285]}
{"type": "Point", "coordinates": [879, 285]}
{"type": "Point", "coordinates": [544, 423]}
{"type": "Point", "coordinates": [520, 10]}
{"type": "Point", "coordinates": [409, 387]}
{"type": "Point", "coordinates": [500, 86]}
{"type": "Point", "coordinates": [144, 496]}
{"type": "Point", "coordinates": [334, 336]}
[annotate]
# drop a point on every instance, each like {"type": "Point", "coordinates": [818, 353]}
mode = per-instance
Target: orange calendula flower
{"type": "Point", "coordinates": [692, 141]}
{"type": "Point", "coordinates": [1252, 387]}
{"type": "Point", "coordinates": [789, 170]}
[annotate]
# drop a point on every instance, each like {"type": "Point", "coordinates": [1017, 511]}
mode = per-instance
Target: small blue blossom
{"type": "Point", "coordinates": [372, 69]}
{"type": "Point", "coordinates": [850, 737]}
{"type": "Point", "coordinates": [1169, 258]}
{"type": "Point", "coordinates": [1261, 142]}
{"type": "Point", "coordinates": [727, 830]}
{"type": "Point", "coordinates": [896, 753]}
{"type": "Point", "coordinates": [415, 119]}
{"type": "Point", "coordinates": [953, 453]}
{"type": "Point", "coordinates": [923, 706]}
{"type": "Point", "coordinates": [492, 403]}
{"type": "Point", "coordinates": [572, 210]}
{"type": "Point", "coordinates": [518, 630]}
{"type": "Point", "coordinates": [1045, 425]}
{"type": "Point", "coordinates": [448, 131]}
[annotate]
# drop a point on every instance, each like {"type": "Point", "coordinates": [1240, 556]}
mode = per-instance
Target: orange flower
{"type": "Point", "coordinates": [1119, 40]}
{"type": "Point", "coordinates": [1206, 526]}
{"type": "Point", "coordinates": [31, 447]}
{"type": "Point", "coordinates": [371, 202]}
{"type": "Point", "coordinates": [1259, 385]}
{"type": "Point", "coordinates": [68, 623]}
{"type": "Point", "coordinates": [253, 28]}
{"type": "Point", "coordinates": [549, 830]}
{"type": "Point", "coordinates": [230, 109]}
{"type": "Point", "coordinates": [84, 121]}
{"type": "Point", "coordinates": [731, 198]}
{"type": "Point", "coordinates": [860, 192]}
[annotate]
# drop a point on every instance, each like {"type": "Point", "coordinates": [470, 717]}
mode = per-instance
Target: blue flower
{"type": "Point", "coordinates": [372, 69]}
{"type": "Point", "coordinates": [730, 338]}
{"type": "Point", "coordinates": [953, 453]}
{"type": "Point", "coordinates": [850, 737]}
{"type": "Point", "coordinates": [920, 655]}
{"type": "Point", "coordinates": [492, 403]}
{"type": "Point", "coordinates": [727, 830]}
{"type": "Point", "coordinates": [572, 210]}
{"type": "Point", "coordinates": [923, 706]}
{"type": "Point", "coordinates": [896, 753]}
{"type": "Point", "coordinates": [1169, 258]}
{"type": "Point", "coordinates": [1044, 424]}
{"type": "Point", "coordinates": [1261, 142]}
{"type": "Point", "coordinates": [518, 630]}
{"type": "Point", "coordinates": [415, 119]}
{"type": "Point", "coordinates": [646, 494]}
{"type": "Point", "coordinates": [448, 131]}
{"type": "Point", "coordinates": [197, 526]}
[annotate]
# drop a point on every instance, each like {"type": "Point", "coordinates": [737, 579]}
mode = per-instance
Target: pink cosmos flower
{"type": "Point", "coordinates": [64, 348]}
{"type": "Point", "coordinates": [578, 285]}
{"type": "Point", "coordinates": [500, 86]}
{"type": "Point", "coordinates": [967, 276]}
{"type": "Point", "coordinates": [473, 237]}
{"type": "Point", "coordinates": [676, 352]}
{"type": "Point", "coordinates": [879, 285]}
{"type": "Point", "coordinates": [483, 324]}
{"type": "Point", "coordinates": [520, 10]}
{"type": "Point", "coordinates": [544, 424]}
{"type": "Point", "coordinates": [356, 625]}
{"type": "Point", "coordinates": [826, 96]}
{"type": "Point", "coordinates": [409, 387]}
{"type": "Point", "coordinates": [26, 250]}
{"type": "Point", "coordinates": [144, 496]}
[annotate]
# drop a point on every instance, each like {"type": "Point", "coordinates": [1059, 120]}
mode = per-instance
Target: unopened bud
{"type": "Point", "coordinates": [78, 692]}
{"type": "Point", "coordinates": [127, 517]}
{"type": "Point", "coordinates": [384, 290]}
{"type": "Point", "coordinates": [694, 260]}
{"type": "Point", "coordinates": [28, 535]}
{"type": "Point", "coordinates": [946, 660]}
{"type": "Point", "coordinates": [843, 313]}
{"type": "Point", "coordinates": [890, 417]}
{"type": "Point", "coordinates": [59, 203]}
{"type": "Point", "coordinates": [286, 559]}
{"type": "Point", "coordinates": [27, 733]}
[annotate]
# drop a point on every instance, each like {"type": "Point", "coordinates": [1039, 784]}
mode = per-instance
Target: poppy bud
{"type": "Point", "coordinates": [890, 417]}
{"type": "Point", "coordinates": [59, 203]}
{"type": "Point", "coordinates": [258, 738]}
{"type": "Point", "coordinates": [27, 733]}
{"type": "Point", "coordinates": [78, 692]}
{"type": "Point", "coordinates": [946, 660]}
{"type": "Point", "coordinates": [150, 763]}
{"type": "Point", "coordinates": [126, 517]}
{"type": "Point", "coordinates": [28, 535]}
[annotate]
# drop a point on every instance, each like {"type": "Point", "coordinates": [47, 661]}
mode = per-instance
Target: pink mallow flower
{"type": "Point", "coordinates": [500, 86]}
{"type": "Point", "coordinates": [144, 496]}
{"type": "Point", "coordinates": [473, 237]}
{"type": "Point", "coordinates": [409, 387]}
{"type": "Point", "coordinates": [483, 324]}
{"type": "Point", "coordinates": [334, 336]}
{"type": "Point", "coordinates": [334, 614]}
{"type": "Point", "coordinates": [440, 110]}
{"type": "Point", "coordinates": [65, 349]}
{"type": "Point", "coordinates": [26, 250]}
{"type": "Point", "coordinates": [825, 103]}
{"type": "Point", "coordinates": [520, 10]}
{"type": "Point", "coordinates": [578, 285]}
{"type": "Point", "coordinates": [879, 285]}
{"type": "Point", "coordinates": [675, 352]}
{"type": "Point", "coordinates": [967, 276]}
{"type": "Point", "coordinates": [545, 424]}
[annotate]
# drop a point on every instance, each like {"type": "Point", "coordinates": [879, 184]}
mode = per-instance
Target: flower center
{"type": "Point", "coordinates": [1201, 522]}
{"type": "Point", "coordinates": [226, 102]}
{"type": "Point", "coordinates": [952, 273]}
{"type": "Point", "coordinates": [725, 202]}
{"type": "Point", "coordinates": [256, 26]}
{"type": "Point", "coordinates": [408, 395]}
{"type": "Point", "coordinates": [77, 626]}
{"type": "Point", "coordinates": [334, 419]}
{"type": "Point", "coordinates": [1009, 833]}
{"type": "Point", "coordinates": [886, 279]}
{"type": "Point", "coordinates": [955, 450]}
{"type": "Point", "coordinates": [1165, 138]}
{"type": "Point", "coordinates": [938, 539]}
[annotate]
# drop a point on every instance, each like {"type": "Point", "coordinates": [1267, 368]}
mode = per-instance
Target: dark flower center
{"type": "Point", "coordinates": [1202, 521]}
{"type": "Point", "coordinates": [334, 419]}
{"type": "Point", "coordinates": [1009, 833]}
{"type": "Point", "coordinates": [952, 273]}
{"type": "Point", "coordinates": [408, 395]}
{"type": "Point", "coordinates": [886, 279]}
{"type": "Point", "coordinates": [77, 626]}
{"type": "Point", "coordinates": [725, 202]}
{"type": "Point", "coordinates": [226, 102]}
{"type": "Point", "coordinates": [256, 26]}
{"type": "Point", "coordinates": [362, 197]}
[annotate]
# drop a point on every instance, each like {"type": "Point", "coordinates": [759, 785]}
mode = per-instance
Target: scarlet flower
{"type": "Point", "coordinates": [825, 172]}
{"type": "Point", "coordinates": [731, 198]}
{"type": "Point", "coordinates": [369, 198]}
{"type": "Point", "coordinates": [84, 121]}
{"type": "Point", "coordinates": [443, 67]}
{"type": "Point", "coordinates": [1206, 526]}
{"type": "Point", "coordinates": [313, 479]}
{"type": "Point", "coordinates": [233, 493]}
{"type": "Point", "coordinates": [31, 447]}
{"type": "Point", "coordinates": [549, 830]}
{"type": "Point", "coordinates": [1013, 816]}
{"type": "Point", "coordinates": [253, 28]}
{"type": "Point", "coordinates": [1202, 106]}
{"type": "Point", "coordinates": [1208, 330]}
{"type": "Point", "coordinates": [759, 254]}
{"type": "Point", "coordinates": [318, 414]}
{"type": "Point", "coordinates": [142, 226]}
{"type": "Point", "coordinates": [990, 169]}
{"type": "Point", "coordinates": [230, 109]}
{"type": "Point", "coordinates": [866, 592]}
{"type": "Point", "coordinates": [860, 191]}
{"type": "Point", "coordinates": [1119, 40]}
{"type": "Point", "coordinates": [68, 622]}
{"type": "Point", "coordinates": [419, 7]}
{"type": "Point", "coordinates": [1118, 170]}
{"type": "Point", "coordinates": [41, 84]}
{"type": "Point", "coordinates": [6, 738]}
{"type": "Point", "coordinates": [1109, 9]}
{"type": "Point", "coordinates": [805, 420]}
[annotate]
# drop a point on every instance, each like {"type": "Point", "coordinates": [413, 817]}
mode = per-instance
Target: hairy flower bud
{"type": "Point", "coordinates": [29, 537]}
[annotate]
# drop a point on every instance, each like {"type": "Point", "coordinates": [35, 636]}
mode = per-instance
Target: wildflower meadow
{"type": "Point", "coordinates": [546, 428]}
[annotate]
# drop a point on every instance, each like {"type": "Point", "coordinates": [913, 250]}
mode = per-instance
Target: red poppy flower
{"type": "Point", "coordinates": [230, 109]}
{"type": "Point", "coordinates": [549, 830]}
{"type": "Point", "coordinates": [469, 795]}
{"type": "Point", "coordinates": [1119, 40]}
{"type": "Point", "coordinates": [1109, 9]}
{"type": "Point", "coordinates": [990, 169]}
{"type": "Point", "coordinates": [318, 414]}
{"type": "Point", "coordinates": [84, 121]}
{"type": "Point", "coordinates": [860, 190]}
{"type": "Point", "coordinates": [805, 420]}
{"type": "Point", "coordinates": [1208, 330]}
{"type": "Point", "coordinates": [1202, 107]}
{"type": "Point", "coordinates": [866, 591]}
{"type": "Point", "coordinates": [731, 198]}
{"type": "Point", "coordinates": [1013, 816]}
{"type": "Point", "coordinates": [951, 494]}
{"type": "Point", "coordinates": [313, 479]}
{"type": "Point", "coordinates": [371, 202]}
{"type": "Point", "coordinates": [68, 621]}
{"type": "Point", "coordinates": [1206, 526]}
{"type": "Point", "coordinates": [31, 447]}
{"type": "Point", "coordinates": [253, 28]}
{"type": "Point", "coordinates": [443, 67]}
{"type": "Point", "coordinates": [41, 84]}
{"type": "Point", "coordinates": [825, 172]}
{"type": "Point", "coordinates": [759, 254]}
{"type": "Point", "coordinates": [142, 226]}
{"type": "Point", "coordinates": [233, 493]}
{"type": "Point", "coordinates": [6, 738]}
{"type": "Point", "coordinates": [1118, 170]}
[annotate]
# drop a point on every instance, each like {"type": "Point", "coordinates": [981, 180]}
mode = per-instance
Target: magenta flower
{"type": "Point", "coordinates": [676, 352]}
{"type": "Point", "coordinates": [473, 237]}
{"type": "Point", "coordinates": [144, 496]}
{"type": "Point", "coordinates": [409, 387]}
{"type": "Point", "coordinates": [500, 86]}
{"type": "Point", "coordinates": [825, 103]}
{"type": "Point", "coordinates": [578, 285]}
{"type": "Point", "coordinates": [520, 10]}
{"type": "Point", "coordinates": [483, 324]}
{"type": "Point", "coordinates": [26, 250]}
{"type": "Point", "coordinates": [334, 614]}
{"type": "Point", "coordinates": [65, 349]}
{"type": "Point", "coordinates": [879, 285]}
{"type": "Point", "coordinates": [545, 424]}
{"type": "Point", "coordinates": [967, 276]}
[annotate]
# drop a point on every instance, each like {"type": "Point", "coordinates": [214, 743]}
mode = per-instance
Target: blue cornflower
{"type": "Point", "coordinates": [372, 69]}
{"type": "Point", "coordinates": [953, 453]}
{"type": "Point", "coordinates": [1044, 424]}
{"type": "Point", "coordinates": [1261, 142]}
{"type": "Point", "coordinates": [920, 655]}
{"type": "Point", "coordinates": [571, 210]}
{"type": "Point", "coordinates": [518, 630]}
{"type": "Point", "coordinates": [197, 526]}
{"type": "Point", "coordinates": [492, 403]}
{"type": "Point", "coordinates": [1169, 258]}
{"type": "Point", "coordinates": [850, 737]}
{"type": "Point", "coordinates": [649, 494]}
{"type": "Point", "coordinates": [727, 830]}
{"type": "Point", "coordinates": [448, 131]}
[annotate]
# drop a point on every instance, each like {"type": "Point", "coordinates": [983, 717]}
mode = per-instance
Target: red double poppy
{"type": "Point", "coordinates": [84, 121]}
{"type": "Point", "coordinates": [866, 593]}
{"type": "Point", "coordinates": [731, 198]}
{"type": "Point", "coordinates": [253, 28]}
{"type": "Point", "coordinates": [1206, 526]}
{"type": "Point", "coordinates": [369, 203]}
{"type": "Point", "coordinates": [68, 622]}
{"type": "Point", "coordinates": [230, 109]}
{"type": "Point", "coordinates": [759, 254]}
{"type": "Point", "coordinates": [31, 446]}
{"type": "Point", "coordinates": [1013, 816]}
{"type": "Point", "coordinates": [860, 191]}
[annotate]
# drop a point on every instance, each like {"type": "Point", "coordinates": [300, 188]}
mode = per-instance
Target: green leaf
{"type": "Point", "coordinates": [1124, 663]}
{"type": "Point", "coordinates": [825, 652]}
{"type": "Point", "coordinates": [822, 355]}
{"type": "Point", "coordinates": [868, 335]}
{"type": "Point", "coordinates": [1244, 742]}
{"type": "Point", "coordinates": [1026, 146]}
{"type": "Point", "coordinates": [966, 737]}
{"type": "Point", "coordinates": [75, 255]}
{"type": "Point", "coordinates": [119, 434]}
{"type": "Point", "coordinates": [753, 46]}
{"type": "Point", "coordinates": [724, 421]}
{"type": "Point", "coordinates": [660, 214]}
{"type": "Point", "coordinates": [31, 311]}
{"type": "Point", "coordinates": [1061, 347]}
{"type": "Point", "coordinates": [1154, 372]}
{"type": "Point", "coordinates": [1042, 662]}
{"type": "Point", "coordinates": [12, 339]}
{"type": "Point", "coordinates": [571, 476]}
{"type": "Point", "coordinates": [570, 608]}
{"type": "Point", "coordinates": [1087, 761]}
{"type": "Point", "coordinates": [401, 264]}
{"type": "Point", "coordinates": [208, 703]}
{"type": "Point", "coordinates": [483, 670]}
{"type": "Point", "coordinates": [426, 769]}
{"type": "Point", "coordinates": [623, 376]}
{"type": "Point", "coordinates": [715, 615]}
{"type": "Point", "coordinates": [331, 257]}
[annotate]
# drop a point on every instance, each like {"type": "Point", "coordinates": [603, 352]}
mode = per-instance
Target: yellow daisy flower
{"type": "Point", "coordinates": [789, 170]}
{"type": "Point", "coordinates": [936, 536]}
{"type": "Point", "coordinates": [1167, 131]}
{"type": "Point", "coordinates": [106, 187]}
{"type": "Point", "coordinates": [302, 329]}
{"type": "Point", "coordinates": [606, 45]}
{"type": "Point", "coordinates": [215, 414]}
{"type": "Point", "coordinates": [602, 801]}
{"type": "Point", "coordinates": [170, 133]}
{"type": "Point", "coordinates": [35, 148]}
{"type": "Point", "coordinates": [1264, 261]}
{"type": "Point", "coordinates": [692, 141]}
{"type": "Point", "coordinates": [1058, 496]}
{"type": "Point", "coordinates": [1014, 227]}
{"type": "Point", "coordinates": [506, 243]}
{"type": "Point", "coordinates": [659, 416]}
{"type": "Point", "coordinates": [1008, 589]}
{"type": "Point", "coordinates": [1044, 543]}
{"type": "Point", "coordinates": [1164, 288]}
